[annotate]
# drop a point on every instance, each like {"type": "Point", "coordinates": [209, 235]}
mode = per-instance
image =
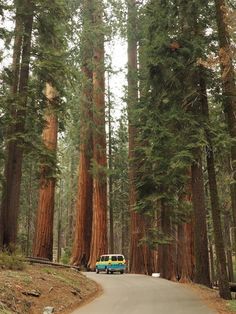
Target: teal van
{"type": "Point", "coordinates": [111, 263]}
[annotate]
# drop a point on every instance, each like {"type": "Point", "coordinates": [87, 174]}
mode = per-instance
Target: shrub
{"type": "Point", "coordinates": [12, 261]}
{"type": "Point", "coordinates": [66, 254]}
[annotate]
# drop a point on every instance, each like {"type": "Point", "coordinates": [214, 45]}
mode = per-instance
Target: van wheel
{"type": "Point", "coordinates": [122, 272]}
{"type": "Point", "coordinates": [97, 271]}
{"type": "Point", "coordinates": [108, 271]}
{"type": "Point", "coordinates": [112, 272]}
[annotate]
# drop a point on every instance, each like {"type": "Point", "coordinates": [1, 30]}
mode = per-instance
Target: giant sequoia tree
{"type": "Point", "coordinates": [228, 91]}
{"type": "Point", "coordinates": [43, 241]}
{"type": "Point", "coordinates": [199, 107]}
{"type": "Point", "coordinates": [141, 257]}
{"type": "Point", "coordinates": [136, 263]}
{"type": "Point", "coordinates": [99, 244]}
{"type": "Point", "coordinates": [214, 196]}
{"type": "Point", "coordinates": [169, 99]}
{"type": "Point", "coordinates": [51, 74]}
{"type": "Point", "coordinates": [18, 95]}
{"type": "Point", "coordinates": [201, 275]}
{"type": "Point", "coordinates": [83, 227]}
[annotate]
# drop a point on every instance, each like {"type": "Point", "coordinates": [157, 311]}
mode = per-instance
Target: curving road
{"type": "Point", "coordinates": [138, 294]}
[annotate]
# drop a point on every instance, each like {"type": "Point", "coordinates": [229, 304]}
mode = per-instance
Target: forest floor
{"type": "Point", "coordinates": [66, 289]}
{"type": "Point", "coordinates": [212, 299]}
{"type": "Point", "coordinates": [36, 287]}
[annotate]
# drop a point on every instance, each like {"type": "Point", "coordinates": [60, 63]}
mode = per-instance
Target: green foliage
{"type": "Point", "coordinates": [11, 261]}
{"type": "Point", "coordinates": [65, 259]}
{"type": "Point", "coordinates": [52, 28]}
{"type": "Point", "coordinates": [48, 270]}
{"type": "Point", "coordinates": [156, 237]}
{"type": "Point", "coordinates": [169, 130]}
{"type": "Point", "coordinates": [116, 17]}
{"type": "Point", "coordinates": [231, 305]}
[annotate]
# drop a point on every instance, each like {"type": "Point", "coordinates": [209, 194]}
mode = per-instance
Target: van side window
{"type": "Point", "coordinates": [102, 258]}
{"type": "Point", "coordinates": [120, 258]}
{"type": "Point", "coordinates": [106, 258]}
{"type": "Point", "coordinates": [114, 258]}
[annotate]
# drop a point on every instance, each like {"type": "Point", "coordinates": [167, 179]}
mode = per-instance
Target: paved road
{"type": "Point", "coordinates": [138, 294]}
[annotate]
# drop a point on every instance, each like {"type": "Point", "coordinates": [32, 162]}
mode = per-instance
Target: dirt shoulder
{"type": "Point", "coordinates": [212, 299]}
{"type": "Point", "coordinates": [37, 287]}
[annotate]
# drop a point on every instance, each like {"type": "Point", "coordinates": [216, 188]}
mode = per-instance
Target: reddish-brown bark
{"type": "Point", "coordinates": [167, 265]}
{"type": "Point", "coordinates": [99, 243]}
{"type": "Point", "coordinates": [185, 252]}
{"type": "Point", "coordinates": [83, 227]}
{"type": "Point", "coordinates": [185, 243]}
{"type": "Point", "coordinates": [150, 255]}
{"type": "Point", "coordinates": [137, 258]}
{"type": "Point", "coordinates": [43, 241]}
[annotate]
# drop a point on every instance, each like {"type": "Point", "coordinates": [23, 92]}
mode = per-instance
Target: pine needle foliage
{"type": "Point", "coordinates": [170, 131]}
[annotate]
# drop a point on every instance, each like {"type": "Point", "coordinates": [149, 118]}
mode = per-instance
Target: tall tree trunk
{"type": "Point", "coordinates": [124, 231]}
{"type": "Point", "coordinates": [70, 207]}
{"type": "Point", "coordinates": [136, 259]}
{"type": "Point", "coordinates": [185, 252]}
{"type": "Point", "coordinates": [14, 150]}
{"type": "Point", "coordinates": [99, 243]}
{"type": "Point", "coordinates": [83, 227]}
{"type": "Point", "coordinates": [202, 275]}
{"type": "Point", "coordinates": [228, 246]}
{"type": "Point", "coordinates": [29, 212]}
{"type": "Point", "coordinates": [59, 221]}
{"type": "Point", "coordinates": [150, 254]}
{"type": "Point", "coordinates": [185, 245]}
{"type": "Point", "coordinates": [190, 27]}
{"type": "Point", "coordinates": [215, 207]}
{"type": "Point", "coordinates": [167, 263]}
{"type": "Point", "coordinates": [212, 264]}
{"type": "Point", "coordinates": [110, 179]}
{"type": "Point", "coordinates": [229, 94]}
{"type": "Point", "coordinates": [43, 240]}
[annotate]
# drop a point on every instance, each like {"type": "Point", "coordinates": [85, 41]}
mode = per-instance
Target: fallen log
{"type": "Point", "coordinates": [232, 286]}
{"type": "Point", "coordinates": [44, 261]}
